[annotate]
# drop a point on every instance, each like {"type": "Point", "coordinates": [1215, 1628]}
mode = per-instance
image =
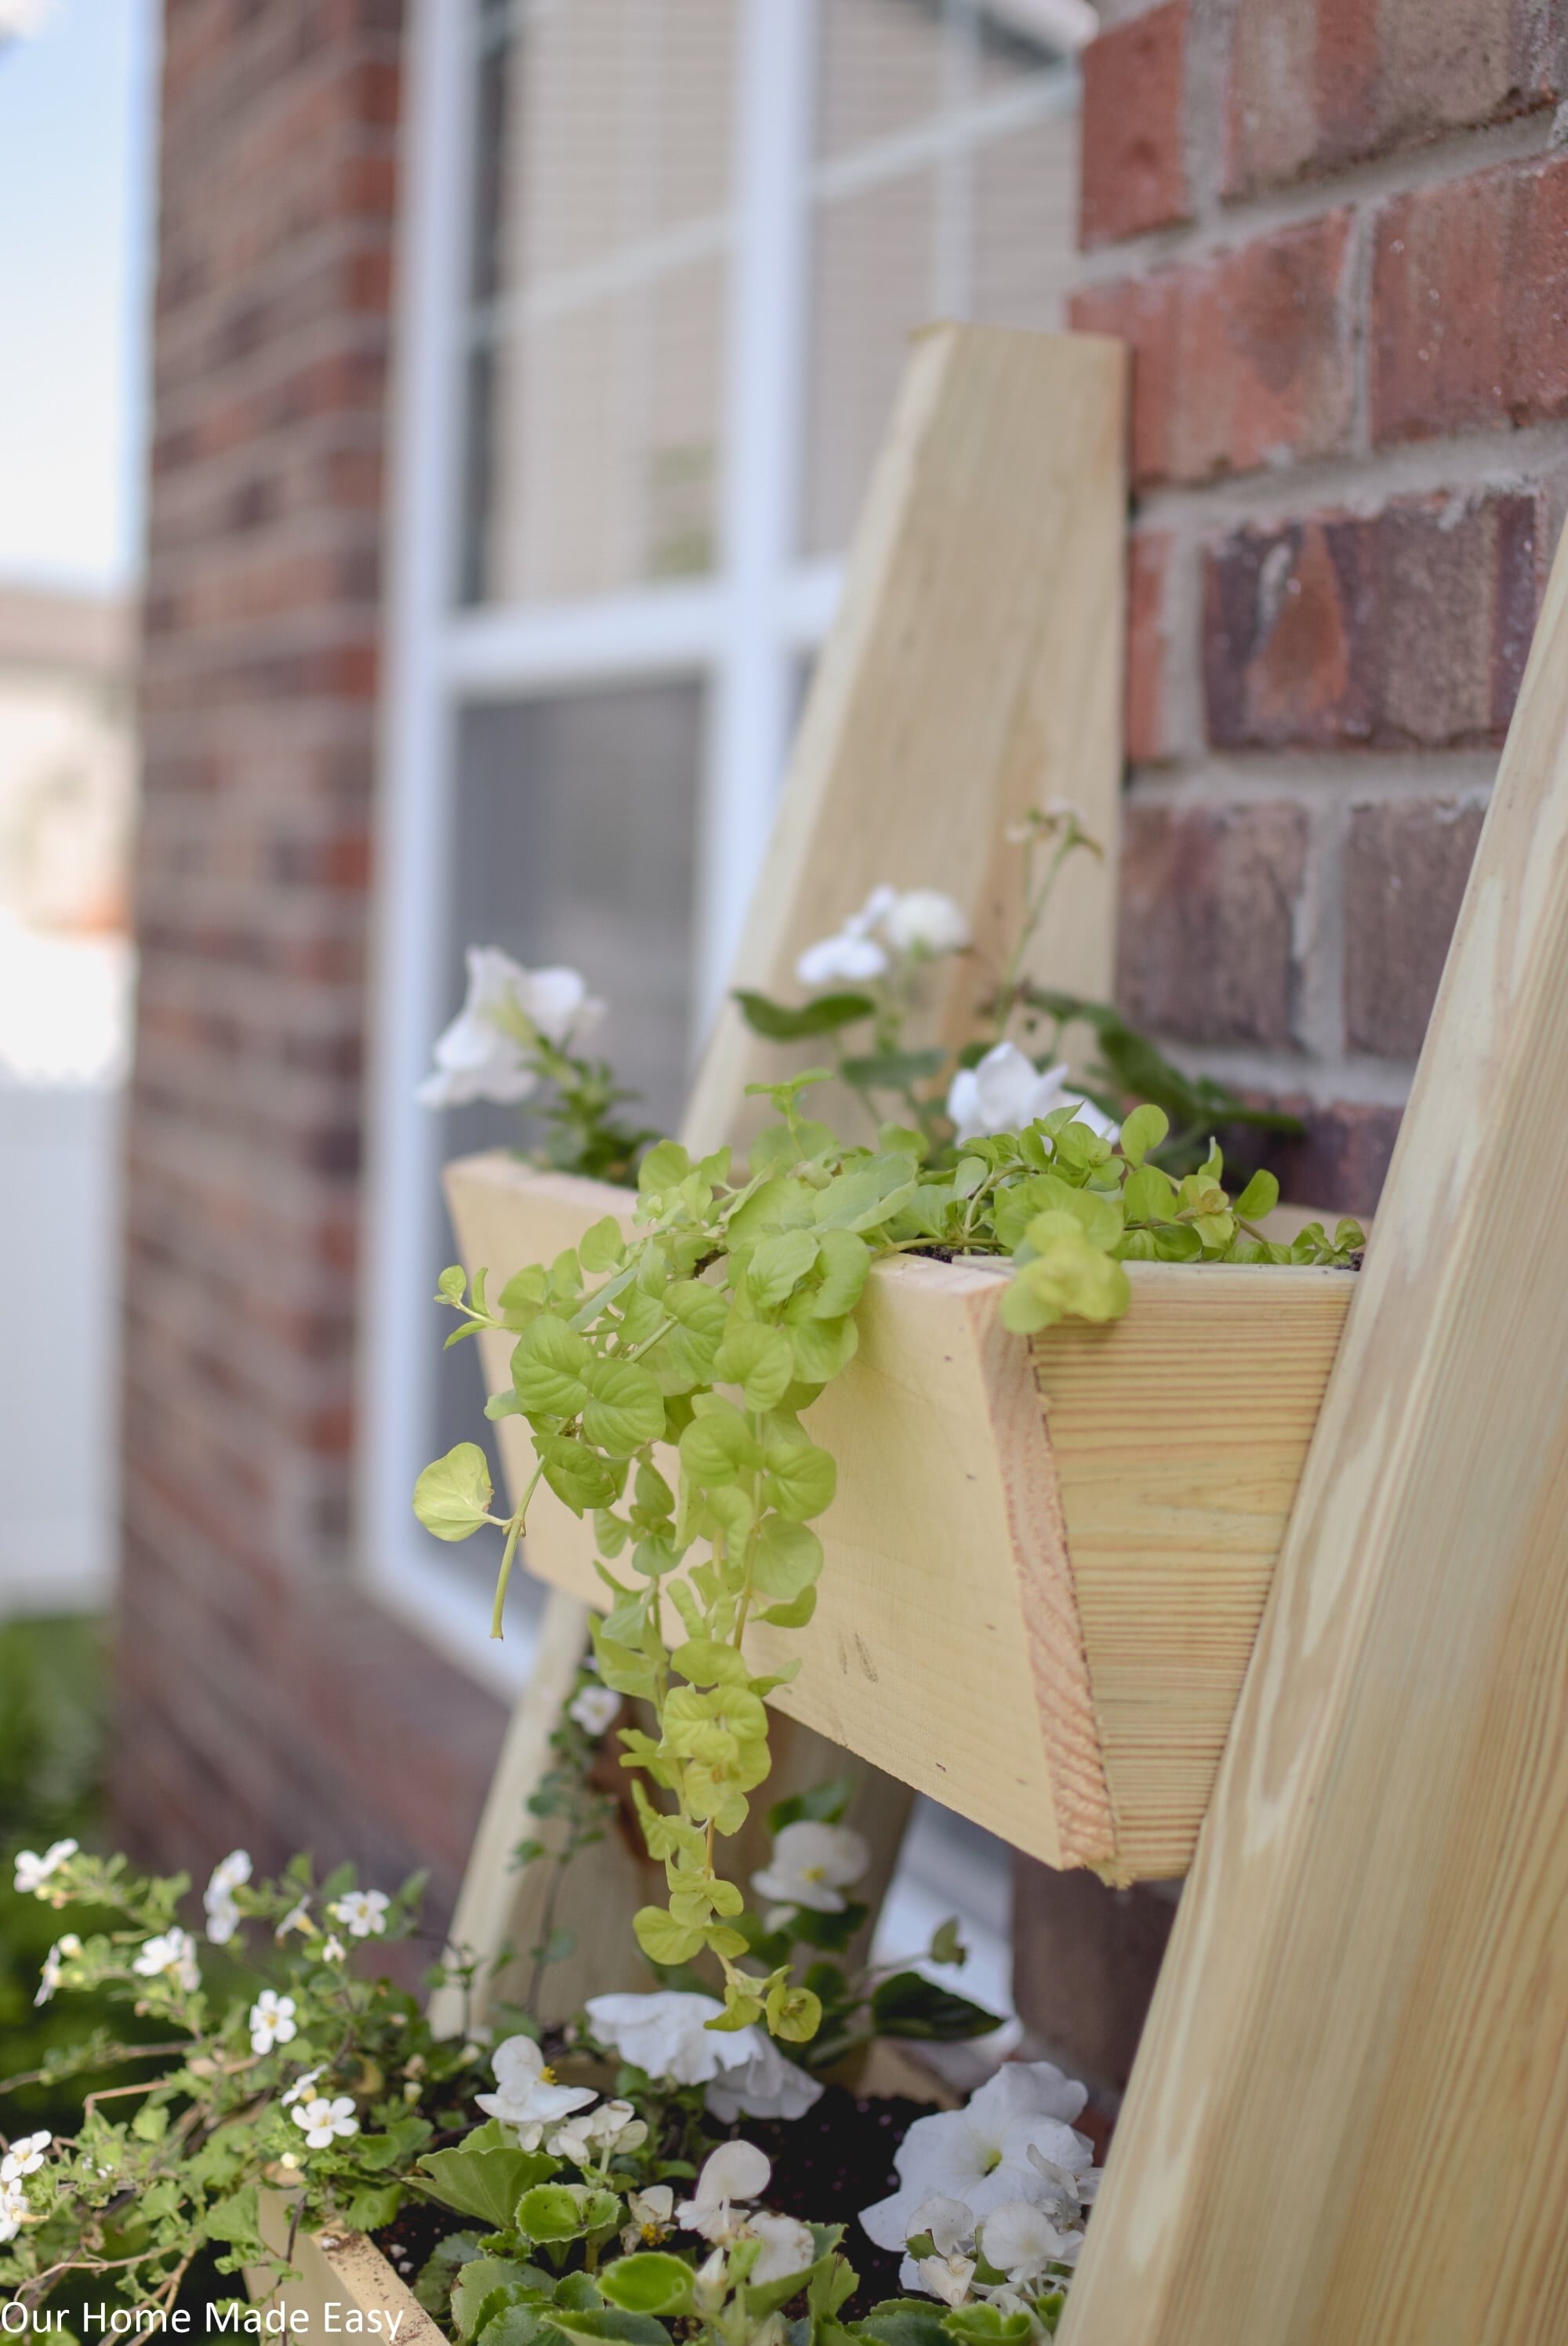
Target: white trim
{"type": "Point", "coordinates": [504, 649]}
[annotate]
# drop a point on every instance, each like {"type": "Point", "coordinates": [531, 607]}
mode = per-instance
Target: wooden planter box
{"type": "Point", "coordinates": [1046, 1560]}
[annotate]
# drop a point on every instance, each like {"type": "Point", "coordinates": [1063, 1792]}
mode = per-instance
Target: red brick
{"type": "Point", "coordinates": [1317, 83]}
{"type": "Point", "coordinates": [1337, 1163]}
{"type": "Point", "coordinates": [1470, 304]}
{"type": "Point", "coordinates": [1148, 568]}
{"type": "Point", "coordinates": [1134, 127]}
{"type": "Point", "coordinates": [1206, 921]}
{"type": "Point", "coordinates": [1406, 866]}
{"type": "Point", "coordinates": [1238, 361]}
{"type": "Point", "coordinates": [1407, 628]}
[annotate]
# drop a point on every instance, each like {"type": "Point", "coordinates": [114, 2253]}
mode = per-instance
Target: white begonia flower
{"type": "Point", "coordinates": [53, 1973]}
{"type": "Point", "coordinates": [945, 2277]}
{"type": "Point", "coordinates": [765, 2085]}
{"type": "Point", "coordinates": [1006, 1093]}
{"type": "Point", "coordinates": [272, 2020]}
{"type": "Point", "coordinates": [732, 2175]}
{"type": "Point", "coordinates": [854, 956]}
{"type": "Point", "coordinates": [665, 2033]}
{"type": "Point", "coordinates": [787, 2247]}
{"type": "Point", "coordinates": [302, 2084]}
{"type": "Point", "coordinates": [362, 1912]}
{"type": "Point", "coordinates": [593, 1708]}
{"type": "Point", "coordinates": [26, 2156]}
{"type": "Point", "coordinates": [323, 2120]}
{"type": "Point", "coordinates": [1020, 2239]}
{"type": "Point", "coordinates": [170, 1955]}
{"type": "Point", "coordinates": [812, 1865]}
{"type": "Point", "coordinates": [616, 2127]}
{"type": "Point", "coordinates": [528, 2096]}
{"type": "Point", "coordinates": [1061, 2194]}
{"type": "Point", "coordinates": [924, 921]}
{"type": "Point", "coordinates": [332, 1949]}
{"type": "Point", "coordinates": [652, 2213]}
{"type": "Point", "coordinates": [33, 1871]}
{"type": "Point", "coordinates": [484, 1053]}
{"type": "Point", "coordinates": [979, 2154]}
{"type": "Point", "coordinates": [949, 2223]}
{"type": "Point", "coordinates": [14, 2210]}
{"type": "Point", "coordinates": [222, 1913]}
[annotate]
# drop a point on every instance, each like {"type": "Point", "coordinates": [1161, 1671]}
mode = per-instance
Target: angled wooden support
{"type": "Point", "coordinates": [1348, 2120]}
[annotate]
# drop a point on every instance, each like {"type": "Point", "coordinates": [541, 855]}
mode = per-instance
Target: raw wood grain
{"type": "Point", "coordinates": [1348, 2121]}
{"type": "Point", "coordinates": [342, 2275]}
{"type": "Point", "coordinates": [974, 672]}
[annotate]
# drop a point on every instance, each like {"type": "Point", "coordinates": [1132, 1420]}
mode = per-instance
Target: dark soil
{"type": "Point", "coordinates": [411, 2238]}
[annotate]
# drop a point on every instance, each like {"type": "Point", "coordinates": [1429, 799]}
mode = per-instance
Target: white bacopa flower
{"type": "Point", "coordinates": [323, 2120]}
{"type": "Point", "coordinates": [362, 1912]}
{"type": "Point", "coordinates": [302, 2084]}
{"type": "Point", "coordinates": [652, 2213]}
{"type": "Point", "coordinates": [272, 2020]}
{"type": "Point", "coordinates": [854, 956]}
{"type": "Point", "coordinates": [593, 1708]}
{"type": "Point", "coordinates": [298, 1918]}
{"type": "Point", "coordinates": [24, 2157]}
{"type": "Point", "coordinates": [527, 2095]}
{"type": "Point", "coordinates": [14, 2210]}
{"type": "Point", "coordinates": [52, 1974]}
{"type": "Point", "coordinates": [812, 1865]}
{"type": "Point", "coordinates": [33, 1871]}
{"type": "Point", "coordinates": [1020, 2239]}
{"type": "Point", "coordinates": [222, 1913]}
{"type": "Point", "coordinates": [1006, 1093]}
{"type": "Point", "coordinates": [332, 1949]}
{"type": "Point", "coordinates": [666, 2034]}
{"type": "Point", "coordinates": [170, 1955]}
{"type": "Point", "coordinates": [732, 2175]}
{"type": "Point", "coordinates": [924, 921]}
{"type": "Point", "coordinates": [979, 2154]}
{"type": "Point", "coordinates": [484, 1053]}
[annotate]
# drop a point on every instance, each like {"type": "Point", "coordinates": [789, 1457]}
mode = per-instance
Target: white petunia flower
{"type": "Point", "coordinates": [323, 2120]}
{"type": "Point", "coordinates": [222, 1913]}
{"type": "Point", "coordinates": [854, 956]}
{"type": "Point", "coordinates": [24, 2157]}
{"type": "Point", "coordinates": [593, 1708]}
{"type": "Point", "coordinates": [362, 1912]}
{"type": "Point", "coordinates": [1020, 2239]}
{"type": "Point", "coordinates": [302, 2084]}
{"type": "Point", "coordinates": [924, 921]}
{"type": "Point", "coordinates": [14, 2210]}
{"type": "Point", "coordinates": [811, 1865]}
{"type": "Point", "coordinates": [652, 2213]}
{"type": "Point", "coordinates": [733, 2174]}
{"type": "Point", "coordinates": [170, 1955]}
{"type": "Point", "coordinates": [484, 1053]}
{"type": "Point", "coordinates": [33, 1871]}
{"type": "Point", "coordinates": [666, 2034]}
{"type": "Point", "coordinates": [52, 1976]}
{"type": "Point", "coordinates": [272, 2020]}
{"type": "Point", "coordinates": [981, 2154]}
{"type": "Point", "coordinates": [1006, 1093]}
{"type": "Point", "coordinates": [528, 2096]}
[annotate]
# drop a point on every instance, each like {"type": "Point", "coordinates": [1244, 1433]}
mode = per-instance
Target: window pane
{"type": "Point", "coordinates": [602, 243]}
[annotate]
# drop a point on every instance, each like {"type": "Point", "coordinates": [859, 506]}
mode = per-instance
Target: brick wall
{"type": "Point", "coordinates": [1335, 233]}
{"type": "Point", "coordinates": [263, 1700]}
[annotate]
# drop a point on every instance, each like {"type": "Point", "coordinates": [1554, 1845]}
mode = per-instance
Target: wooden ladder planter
{"type": "Point", "coordinates": [1046, 1560]}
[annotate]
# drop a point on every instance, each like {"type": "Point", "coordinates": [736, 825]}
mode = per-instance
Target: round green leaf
{"type": "Point", "coordinates": [648, 2282]}
{"type": "Point", "coordinates": [624, 1407]}
{"type": "Point", "coordinates": [718, 1447]}
{"type": "Point", "coordinates": [758, 1359]}
{"type": "Point", "coordinates": [789, 1558]}
{"type": "Point", "coordinates": [548, 1363]}
{"type": "Point", "coordinates": [552, 2211]}
{"type": "Point", "coordinates": [801, 1479]}
{"type": "Point", "coordinates": [452, 1497]}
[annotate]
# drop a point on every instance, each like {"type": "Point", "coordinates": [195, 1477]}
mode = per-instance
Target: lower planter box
{"type": "Point", "coordinates": [346, 2288]}
{"type": "Point", "coordinates": [1046, 1561]}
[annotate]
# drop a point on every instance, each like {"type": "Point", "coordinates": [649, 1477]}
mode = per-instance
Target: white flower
{"type": "Point", "coordinates": [1061, 2194]}
{"type": "Point", "coordinates": [332, 1951]}
{"type": "Point", "coordinates": [1005, 1092]}
{"type": "Point", "coordinates": [616, 2127]}
{"type": "Point", "coordinates": [949, 2223]}
{"type": "Point", "coordinates": [13, 2209]}
{"type": "Point", "coordinates": [666, 2034]}
{"type": "Point", "coordinates": [652, 2213]}
{"type": "Point", "coordinates": [298, 1918]}
{"type": "Point", "coordinates": [484, 1053]}
{"type": "Point", "coordinates": [924, 921]}
{"type": "Point", "coordinates": [323, 2120]}
{"type": "Point", "coordinates": [302, 2084]}
{"type": "Point", "coordinates": [593, 1708]}
{"type": "Point", "coordinates": [945, 2277]}
{"type": "Point", "coordinates": [33, 1871]}
{"type": "Point", "coordinates": [736, 2172]}
{"type": "Point", "coordinates": [786, 2245]}
{"type": "Point", "coordinates": [172, 1956]}
{"type": "Point", "coordinates": [1020, 2239]}
{"type": "Point", "coordinates": [272, 2020]}
{"type": "Point", "coordinates": [222, 1913]}
{"type": "Point", "coordinates": [529, 2098]}
{"type": "Point", "coordinates": [573, 2141]}
{"type": "Point", "coordinates": [24, 2157]}
{"type": "Point", "coordinates": [852, 956]}
{"type": "Point", "coordinates": [812, 1864]}
{"type": "Point", "coordinates": [362, 1912]}
{"type": "Point", "coordinates": [979, 2154]}
{"type": "Point", "coordinates": [53, 1973]}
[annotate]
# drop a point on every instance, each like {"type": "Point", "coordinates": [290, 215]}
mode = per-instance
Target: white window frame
{"type": "Point", "coordinates": [742, 631]}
